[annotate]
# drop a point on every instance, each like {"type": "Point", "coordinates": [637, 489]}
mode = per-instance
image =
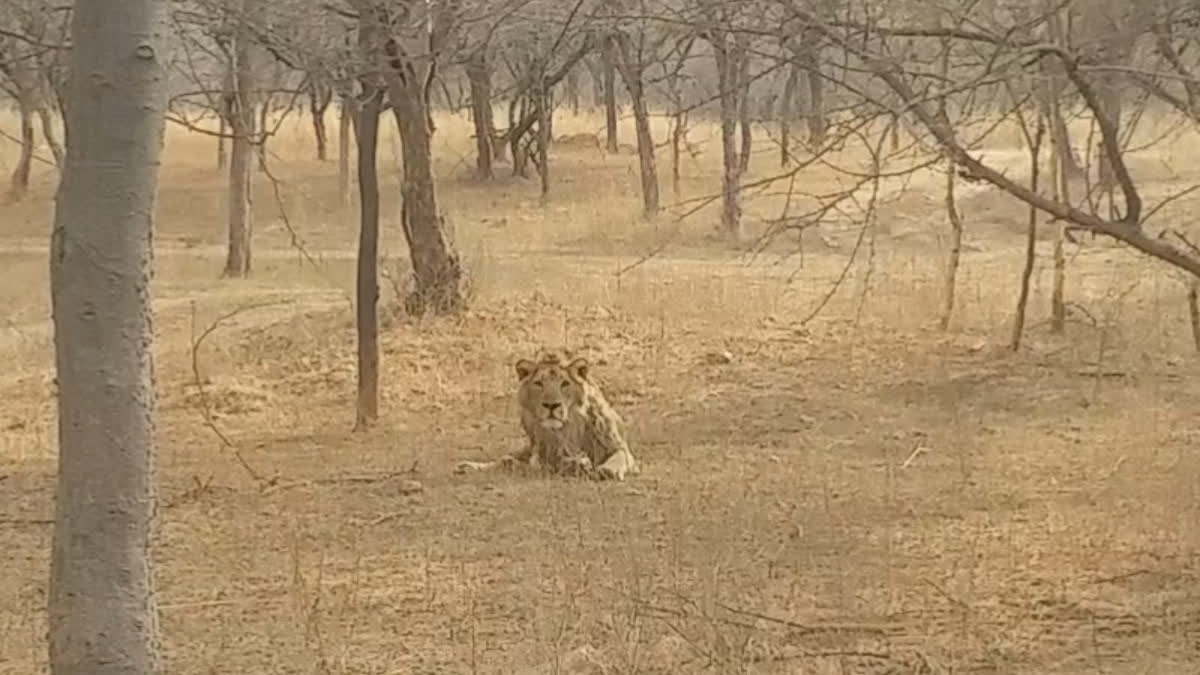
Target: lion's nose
{"type": "Point", "coordinates": [552, 407]}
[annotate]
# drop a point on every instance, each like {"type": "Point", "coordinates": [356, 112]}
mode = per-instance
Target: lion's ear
{"type": "Point", "coordinates": [525, 368]}
{"type": "Point", "coordinates": [579, 368]}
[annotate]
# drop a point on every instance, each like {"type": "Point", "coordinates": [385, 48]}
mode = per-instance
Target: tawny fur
{"type": "Point", "coordinates": [569, 424]}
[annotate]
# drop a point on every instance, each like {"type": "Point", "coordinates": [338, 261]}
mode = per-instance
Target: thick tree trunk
{"type": "Point", "coordinates": [609, 69]}
{"type": "Point", "coordinates": [731, 175]}
{"type": "Point", "coordinates": [631, 72]}
{"type": "Point", "coordinates": [479, 75]}
{"type": "Point", "coordinates": [241, 128]}
{"type": "Point", "coordinates": [346, 113]}
{"type": "Point", "coordinates": [19, 184]}
{"type": "Point", "coordinates": [101, 602]}
{"type": "Point", "coordinates": [437, 271]}
{"type": "Point", "coordinates": [367, 319]}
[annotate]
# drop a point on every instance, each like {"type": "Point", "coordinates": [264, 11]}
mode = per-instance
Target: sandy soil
{"type": "Point", "coordinates": [857, 492]}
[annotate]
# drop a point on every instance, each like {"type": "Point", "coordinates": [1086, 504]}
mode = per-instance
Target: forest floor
{"type": "Point", "coordinates": [855, 491]}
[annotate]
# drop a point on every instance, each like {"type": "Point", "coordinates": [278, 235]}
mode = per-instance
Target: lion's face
{"type": "Point", "coordinates": [551, 391]}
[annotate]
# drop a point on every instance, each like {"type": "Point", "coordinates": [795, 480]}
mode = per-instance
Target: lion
{"type": "Point", "coordinates": [569, 423]}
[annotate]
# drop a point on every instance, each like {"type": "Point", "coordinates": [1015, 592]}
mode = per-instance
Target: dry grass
{"type": "Point", "coordinates": [858, 494]}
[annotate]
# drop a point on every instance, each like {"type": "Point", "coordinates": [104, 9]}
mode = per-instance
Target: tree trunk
{"type": "Point", "coordinates": [731, 176]}
{"type": "Point", "coordinates": [480, 79]}
{"type": "Point", "coordinates": [1053, 78]}
{"type": "Point", "coordinates": [956, 234]}
{"type": "Point", "coordinates": [544, 112]}
{"type": "Point", "coordinates": [1193, 303]}
{"type": "Point", "coordinates": [222, 130]}
{"type": "Point", "coordinates": [368, 259]}
{"type": "Point", "coordinates": [631, 72]}
{"type": "Point", "coordinates": [1110, 107]}
{"type": "Point", "coordinates": [595, 73]}
{"type": "Point", "coordinates": [572, 85]}
{"type": "Point", "coordinates": [56, 149]}
{"type": "Point", "coordinates": [678, 111]}
{"type": "Point", "coordinates": [952, 214]}
{"type": "Point", "coordinates": [346, 113]}
{"type": "Point", "coordinates": [817, 124]}
{"type": "Point", "coordinates": [1030, 240]}
{"type": "Point", "coordinates": [1058, 307]}
{"type": "Point", "coordinates": [744, 104]}
{"type": "Point", "coordinates": [241, 127]}
{"type": "Point", "coordinates": [20, 176]}
{"type": "Point", "coordinates": [319, 97]}
{"type": "Point", "coordinates": [101, 603]}
{"type": "Point", "coordinates": [259, 133]}
{"type": "Point", "coordinates": [608, 67]}
{"type": "Point", "coordinates": [785, 116]}
{"type": "Point", "coordinates": [437, 271]}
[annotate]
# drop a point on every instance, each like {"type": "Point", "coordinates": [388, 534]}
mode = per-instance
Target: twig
{"type": "Point", "coordinates": [198, 381]}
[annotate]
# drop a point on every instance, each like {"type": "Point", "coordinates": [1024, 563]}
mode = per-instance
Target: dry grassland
{"type": "Point", "coordinates": [860, 493]}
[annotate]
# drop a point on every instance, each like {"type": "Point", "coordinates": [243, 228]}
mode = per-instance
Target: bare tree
{"type": "Point", "coordinates": [408, 61]}
{"type": "Point", "coordinates": [239, 108]}
{"type": "Point", "coordinates": [101, 600]}
{"type": "Point", "coordinates": [726, 52]}
{"type": "Point", "coordinates": [634, 46]}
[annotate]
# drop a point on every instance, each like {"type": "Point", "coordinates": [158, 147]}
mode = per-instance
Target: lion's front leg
{"type": "Point", "coordinates": [576, 465]}
{"type": "Point", "coordinates": [619, 465]}
{"type": "Point", "coordinates": [504, 462]}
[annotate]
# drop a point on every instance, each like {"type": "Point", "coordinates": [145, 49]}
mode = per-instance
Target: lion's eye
{"type": "Point", "coordinates": [565, 384]}
{"type": "Point", "coordinates": [537, 383]}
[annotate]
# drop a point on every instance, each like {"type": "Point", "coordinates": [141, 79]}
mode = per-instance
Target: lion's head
{"type": "Point", "coordinates": [551, 390]}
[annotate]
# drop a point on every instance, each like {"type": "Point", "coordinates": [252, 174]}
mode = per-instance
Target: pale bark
{"type": "Point", "coordinates": [744, 104]}
{"type": "Point", "coordinates": [241, 128]}
{"type": "Point", "coordinates": [731, 175]}
{"type": "Point", "coordinates": [101, 602]}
